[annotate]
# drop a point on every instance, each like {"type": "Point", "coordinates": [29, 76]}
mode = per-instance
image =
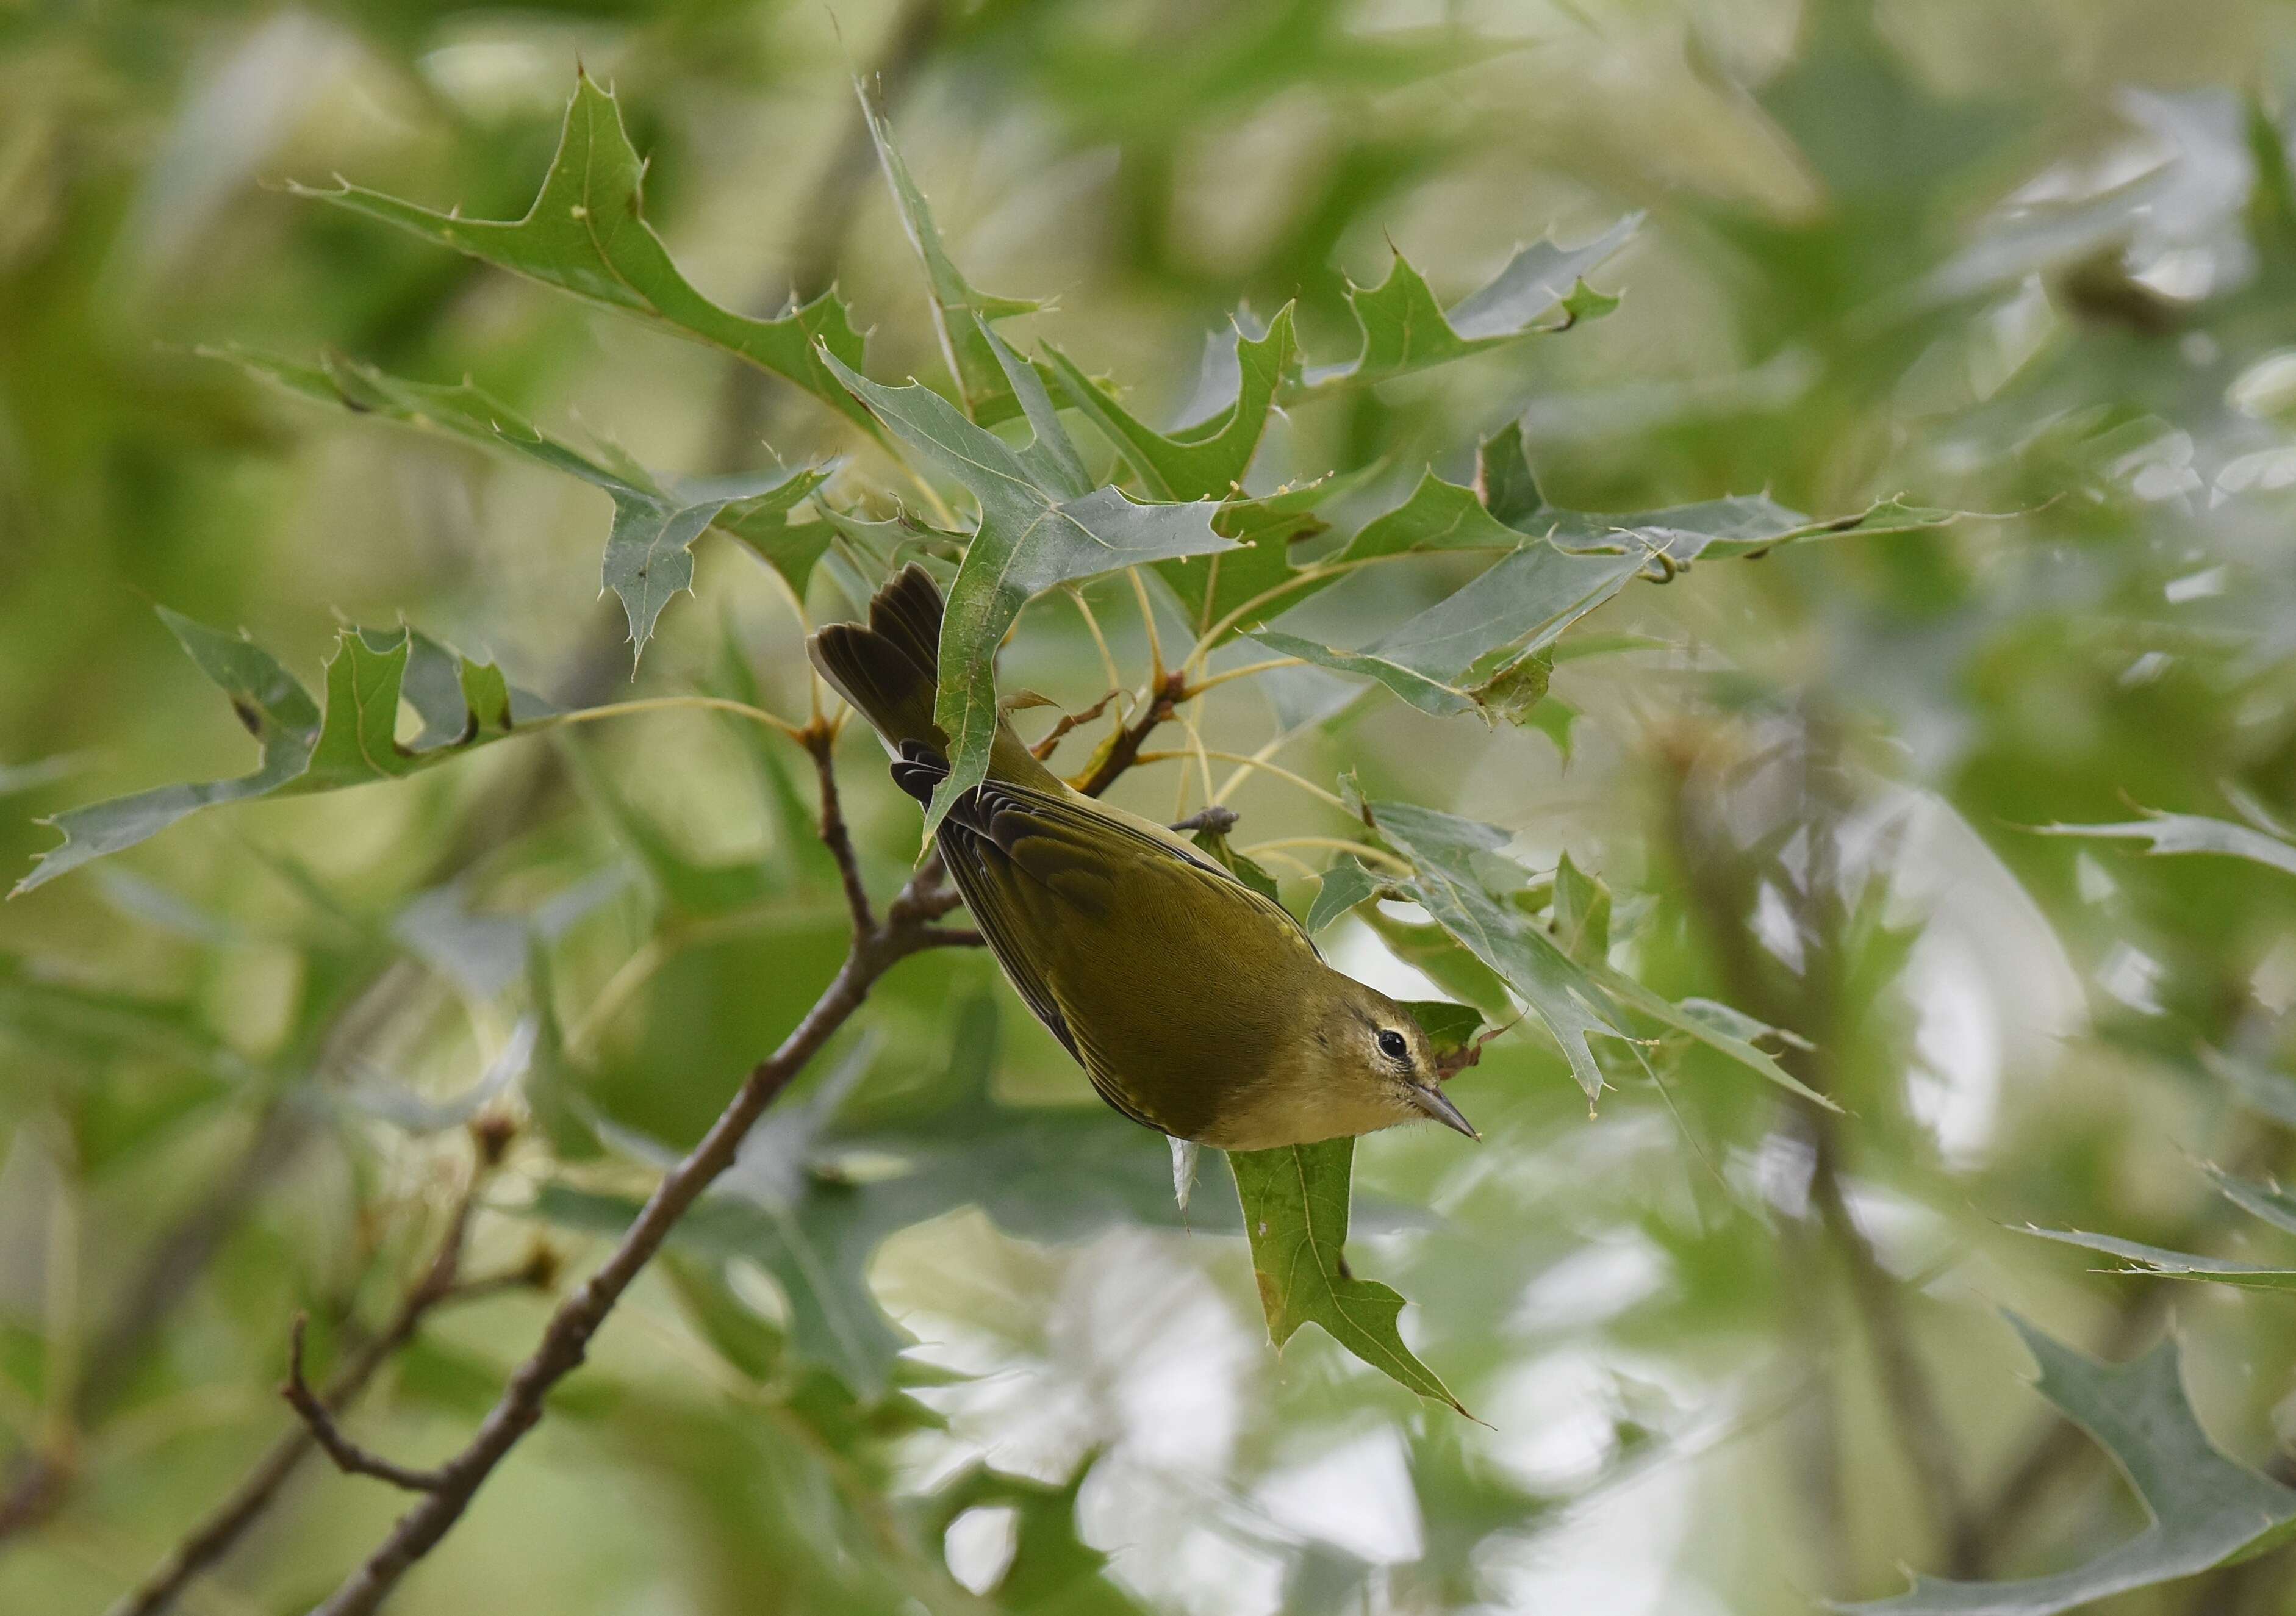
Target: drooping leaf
{"type": "Point", "coordinates": [1719, 1027]}
{"type": "Point", "coordinates": [587, 234]}
{"type": "Point", "coordinates": [961, 313]}
{"type": "Point", "coordinates": [2192, 833]}
{"type": "Point", "coordinates": [1442, 849]}
{"type": "Point", "coordinates": [2204, 1507]}
{"type": "Point", "coordinates": [463, 705]}
{"type": "Point", "coordinates": [1404, 329]}
{"type": "Point", "coordinates": [1346, 885]}
{"type": "Point", "coordinates": [649, 550]}
{"type": "Point", "coordinates": [1295, 1212]}
{"type": "Point", "coordinates": [1510, 612]}
{"type": "Point", "coordinates": [1208, 460]}
{"type": "Point", "coordinates": [1041, 525]}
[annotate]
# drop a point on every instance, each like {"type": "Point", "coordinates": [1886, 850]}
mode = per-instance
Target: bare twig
{"type": "Point", "coordinates": [1122, 749]}
{"type": "Point", "coordinates": [565, 1341]}
{"type": "Point", "coordinates": [834, 836]}
{"type": "Point", "coordinates": [440, 1284]}
{"type": "Point", "coordinates": [349, 1457]}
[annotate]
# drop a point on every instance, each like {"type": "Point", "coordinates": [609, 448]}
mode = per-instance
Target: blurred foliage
{"type": "Point", "coordinates": [1999, 302]}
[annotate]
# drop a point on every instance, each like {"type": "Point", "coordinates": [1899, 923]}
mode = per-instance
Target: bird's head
{"type": "Point", "coordinates": [1381, 1054]}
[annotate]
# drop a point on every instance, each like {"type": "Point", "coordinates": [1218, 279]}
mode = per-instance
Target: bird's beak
{"type": "Point", "coordinates": [1438, 1104]}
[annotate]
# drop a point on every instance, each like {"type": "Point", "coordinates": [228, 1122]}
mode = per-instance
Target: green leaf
{"type": "Point", "coordinates": [1295, 1212]}
{"type": "Point", "coordinates": [1714, 530]}
{"type": "Point", "coordinates": [1253, 875]}
{"type": "Point", "coordinates": [1208, 460]}
{"type": "Point", "coordinates": [2192, 833]}
{"type": "Point", "coordinates": [463, 705]}
{"type": "Point", "coordinates": [1450, 1027]}
{"type": "Point", "coordinates": [1719, 1027]}
{"type": "Point", "coordinates": [1404, 329]}
{"type": "Point", "coordinates": [1582, 914]}
{"type": "Point", "coordinates": [2159, 1262]}
{"type": "Point", "coordinates": [961, 313]}
{"type": "Point", "coordinates": [587, 234]}
{"type": "Point", "coordinates": [649, 550]}
{"type": "Point", "coordinates": [1346, 885]}
{"type": "Point", "coordinates": [1438, 515]}
{"type": "Point", "coordinates": [1213, 588]}
{"type": "Point", "coordinates": [2204, 1507]}
{"type": "Point", "coordinates": [1517, 609]}
{"type": "Point", "coordinates": [1442, 849]}
{"type": "Point", "coordinates": [1041, 525]}
{"type": "Point", "coordinates": [1053, 1571]}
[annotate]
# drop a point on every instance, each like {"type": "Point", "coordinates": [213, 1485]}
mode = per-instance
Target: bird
{"type": "Point", "coordinates": [1196, 1007]}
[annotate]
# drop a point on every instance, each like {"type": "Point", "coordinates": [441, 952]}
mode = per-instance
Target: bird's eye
{"type": "Point", "coordinates": [1391, 1044]}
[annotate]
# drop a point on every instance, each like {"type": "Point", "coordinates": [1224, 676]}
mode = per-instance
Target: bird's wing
{"type": "Point", "coordinates": [1062, 843]}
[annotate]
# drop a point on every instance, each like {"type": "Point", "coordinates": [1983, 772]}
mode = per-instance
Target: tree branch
{"type": "Point", "coordinates": [834, 836]}
{"type": "Point", "coordinates": [565, 1341]}
{"type": "Point", "coordinates": [440, 1284]}
{"type": "Point", "coordinates": [1122, 749]}
{"type": "Point", "coordinates": [349, 1457]}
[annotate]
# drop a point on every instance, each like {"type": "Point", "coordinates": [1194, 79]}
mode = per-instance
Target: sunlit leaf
{"type": "Point", "coordinates": [1208, 460]}
{"type": "Point", "coordinates": [1295, 1213]}
{"type": "Point", "coordinates": [587, 234]}
{"type": "Point", "coordinates": [1404, 329]}
{"type": "Point", "coordinates": [1041, 525]}
{"type": "Point", "coordinates": [2204, 1508]}
{"type": "Point", "coordinates": [961, 313]}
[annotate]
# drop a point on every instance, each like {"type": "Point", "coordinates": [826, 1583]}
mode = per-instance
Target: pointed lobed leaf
{"type": "Point", "coordinates": [587, 234]}
{"type": "Point", "coordinates": [2205, 1509]}
{"type": "Point", "coordinates": [1295, 1213]}
{"type": "Point", "coordinates": [306, 747]}
{"type": "Point", "coordinates": [1209, 460]}
{"type": "Point", "coordinates": [649, 549]}
{"type": "Point", "coordinates": [961, 313]}
{"type": "Point", "coordinates": [1039, 527]}
{"type": "Point", "coordinates": [2161, 1262]}
{"type": "Point", "coordinates": [1258, 576]}
{"type": "Point", "coordinates": [1518, 607]}
{"type": "Point", "coordinates": [1714, 530]}
{"type": "Point", "coordinates": [1404, 329]}
{"type": "Point", "coordinates": [2192, 833]}
{"type": "Point", "coordinates": [1441, 849]}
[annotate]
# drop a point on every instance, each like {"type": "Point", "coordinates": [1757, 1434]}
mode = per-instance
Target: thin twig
{"type": "Point", "coordinates": [1249, 764]}
{"type": "Point", "coordinates": [835, 837]}
{"type": "Point", "coordinates": [565, 1341]}
{"type": "Point", "coordinates": [440, 1284]}
{"type": "Point", "coordinates": [319, 1420]}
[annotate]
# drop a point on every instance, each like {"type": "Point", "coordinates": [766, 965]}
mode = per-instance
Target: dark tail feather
{"type": "Point", "coordinates": [887, 670]}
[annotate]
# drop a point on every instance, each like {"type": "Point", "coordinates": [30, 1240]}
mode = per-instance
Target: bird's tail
{"type": "Point", "coordinates": [888, 668]}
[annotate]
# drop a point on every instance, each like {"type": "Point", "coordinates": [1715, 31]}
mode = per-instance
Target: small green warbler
{"type": "Point", "coordinates": [1196, 1005]}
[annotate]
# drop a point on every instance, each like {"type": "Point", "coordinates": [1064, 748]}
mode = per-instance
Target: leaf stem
{"type": "Point", "coordinates": [1247, 671]}
{"type": "Point", "coordinates": [1248, 764]}
{"type": "Point", "coordinates": [615, 709]}
{"type": "Point", "coordinates": [1361, 849]}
